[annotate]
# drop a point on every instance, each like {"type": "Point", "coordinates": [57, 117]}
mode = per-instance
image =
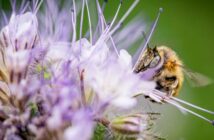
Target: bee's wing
{"type": "Point", "coordinates": [196, 79]}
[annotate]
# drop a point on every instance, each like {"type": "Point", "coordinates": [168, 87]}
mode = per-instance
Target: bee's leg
{"type": "Point", "coordinates": [155, 99]}
{"type": "Point", "coordinates": [146, 96]}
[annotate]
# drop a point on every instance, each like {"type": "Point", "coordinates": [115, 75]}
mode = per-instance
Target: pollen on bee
{"type": "Point", "coordinates": [171, 65]}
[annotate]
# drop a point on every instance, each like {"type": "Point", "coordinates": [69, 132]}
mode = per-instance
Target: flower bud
{"type": "Point", "coordinates": [21, 32]}
{"type": "Point", "coordinates": [132, 125]}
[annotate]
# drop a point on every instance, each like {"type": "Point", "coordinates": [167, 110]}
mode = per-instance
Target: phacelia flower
{"type": "Point", "coordinates": [58, 84]}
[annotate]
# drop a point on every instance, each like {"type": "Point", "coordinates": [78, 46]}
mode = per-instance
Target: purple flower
{"type": "Point", "coordinates": [56, 83]}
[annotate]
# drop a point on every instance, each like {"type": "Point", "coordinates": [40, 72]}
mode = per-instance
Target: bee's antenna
{"type": "Point", "coordinates": [192, 105]}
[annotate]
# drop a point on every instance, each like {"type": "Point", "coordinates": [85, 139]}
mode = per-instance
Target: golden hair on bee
{"type": "Point", "coordinates": [170, 76]}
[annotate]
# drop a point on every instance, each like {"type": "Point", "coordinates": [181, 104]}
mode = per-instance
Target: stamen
{"type": "Point", "coordinates": [13, 4]}
{"type": "Point", "coordinates": [145, 44]}
{"type": "Point", "coordinates": [16, 45]}
{"type": "Point", "coordinates": [184, 102]}
{"type": "Point", "coordinates": [39, 5]}
{"type": "Point", "coordinates": [89, 21]}
{"type": "Point", "coordinates": [145, 38]}
{"type": "Point", "coordinates": [192, 105]}
{"type": "Point", "coordinates": [74, 16]}
{"type": "Point", "coordinates": [82, 88]}
{"type": "Point", "coordinates": [174, 103]}
{"type": "Point", "coordinates": [11, 76]}
{"type": "Point", "coordinates": [187, 110]}
{"type": "Point", "coordinates": [124, 17]}
{"type": "Point", "coordinates": [103, 20]}
{"type": "Point", "coordinates": [5, 40]}
{"type": "Point", "coordinates": [152, 30]}
{"type": "Point", "coordinates": [75, 11]}
{"type": "Point", "coordinates": [112, 23]}
{"type": "Point", "coordinates": [22, 4]}
{"type": "Point", "coordinates": [35, 3]}
{"type": "Point", "coordinates": [5, 17]}
{"type": "Point", "coordinates": [100, 24]}
{"type": "Point", "coordinates": [114, 46]}
{"type": "Point", "coordinates": [73, 26]}
{"type": "Point", "coordinates": [115, 17]}
{"type": "Point", "coordinates": [24, 7]}
{"type": "Point", "coordinates": [81, 20]}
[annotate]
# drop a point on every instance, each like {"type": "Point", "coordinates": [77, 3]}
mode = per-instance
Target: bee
{"type": "Point", "coordinates": [163, 66]}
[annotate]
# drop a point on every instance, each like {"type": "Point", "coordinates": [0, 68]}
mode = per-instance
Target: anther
{"type": "Point", "coordinates": [72, 10]}
{"type": "Point", "coordinates": [160, 9]}
{"type": "Point", "coordinates": [213, 122]}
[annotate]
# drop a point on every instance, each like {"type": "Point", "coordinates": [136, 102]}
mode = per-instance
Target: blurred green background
{"type": "Point", "coordinates": [187, 26]}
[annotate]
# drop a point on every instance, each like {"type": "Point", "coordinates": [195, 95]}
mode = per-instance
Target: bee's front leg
{"type": "Point", "coordinates": [155, 98]}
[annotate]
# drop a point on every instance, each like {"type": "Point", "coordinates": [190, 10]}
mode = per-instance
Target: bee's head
{"type": "Point", "coordinates": [149, 59]}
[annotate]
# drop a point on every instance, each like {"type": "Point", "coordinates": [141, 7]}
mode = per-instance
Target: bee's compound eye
{"type": "Point", "coordinates": [155, 62]}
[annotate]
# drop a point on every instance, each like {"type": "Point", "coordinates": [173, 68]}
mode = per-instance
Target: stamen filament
{"type": "Point", "coordinates": [145, 43]}
{"type": "Point", "coordinates": [124, 17]}
{"type": "Point", "coordinates": [5, 17]}
{"type": "Point", "coordinates": [39, 5]}
{"type": "Point", "coordinates": [152, 30]}
{"type": "Point", "coordinates": [192, 105]}
{"type": "Point", "coordinates": [81, 19]}
{"type": "Point", "coordinates": [24, 7]}
{"type": "Point", "coordinates": [89, 21]}
{"type": "Point", "coordinates": [74, 22]}
{"type": "Point", "coordinates": [100, 24]}
{"type": "Point", "coordinates": [103, 20]}
{"type": "Point", "coordinates": [172, 101]}
{"type": "Point", "coordinates": [74, 27]}
{"type": "Point", "coordinates": [191, 112]}
{"type": "Point", "coordinates": [115, 17]}
{"type": "Point", "coordinates": [82, 88]}
{"type": "Point", "coordinates": [13, 4]}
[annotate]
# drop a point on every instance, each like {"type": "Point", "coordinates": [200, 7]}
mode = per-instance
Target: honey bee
{"type": "Point", "coordinates": [162, 65]}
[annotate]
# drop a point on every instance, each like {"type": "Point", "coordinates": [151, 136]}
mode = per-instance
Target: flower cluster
{"type": "Point", "coordinates": [55, 86]}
